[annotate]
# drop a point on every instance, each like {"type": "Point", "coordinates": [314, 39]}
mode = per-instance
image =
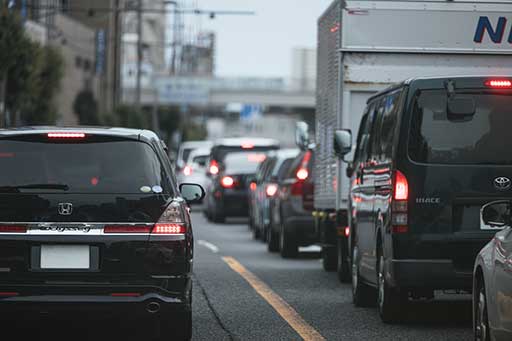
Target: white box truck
{"type": "Point", "coordinates": [365, 46]}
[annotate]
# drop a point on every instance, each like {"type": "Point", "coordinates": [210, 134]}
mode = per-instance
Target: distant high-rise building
{"type": "Point", "coordinates": [199, 59]}
{"type": "Point", "coordinates": [303, 76]}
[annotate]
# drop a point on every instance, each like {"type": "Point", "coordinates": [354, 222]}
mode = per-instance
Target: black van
{"type": "Point", "coordinates": [430, 153]}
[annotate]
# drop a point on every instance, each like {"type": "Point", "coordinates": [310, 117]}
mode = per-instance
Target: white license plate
{"type": "Point", "coordinates": [65, 257]}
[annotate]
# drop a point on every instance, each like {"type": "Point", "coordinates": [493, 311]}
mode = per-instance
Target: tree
{"type": "Point", "coordinates": [86, 107]}
{"type": "Point", "coordinates": [129, 117]}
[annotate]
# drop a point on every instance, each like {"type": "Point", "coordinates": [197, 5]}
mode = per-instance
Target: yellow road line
{"type": "Point", "coordinates": [306, 331]}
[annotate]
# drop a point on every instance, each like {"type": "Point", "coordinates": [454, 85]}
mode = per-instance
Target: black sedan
{"type": "Point", "coordinates": [92, 223]}
{"type": "Point", "coordinates": [492, 277]}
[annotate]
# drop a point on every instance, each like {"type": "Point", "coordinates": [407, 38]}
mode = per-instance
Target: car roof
{"type": "Point", "coordinates": [237, 141]}
{"type": "Point", "coordinates": [200, 151]}
{"type": "Point", "coordinates": [284, 153]}
{"type": "Point", "coordinates": [134, 134]}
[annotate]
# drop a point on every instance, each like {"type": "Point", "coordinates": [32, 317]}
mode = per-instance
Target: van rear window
{"type": "Point", "coordinates": [483, 138]}
{"type": "Point", "coordinates": [119, 166]}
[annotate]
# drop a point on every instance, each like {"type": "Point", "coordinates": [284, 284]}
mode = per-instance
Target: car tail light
{"type": "Point", "coordinates": [8, 293]}
{"type": "Point", "coordinates": [66, 135]}
{"type": "Point", "coordinates": [227, 182]}
{"type": "Point", "coordinates": [253, 186]}
{"type": "Point", "coordinates": [499, 83]}
{"type": "Point", "coordinates": [347, 231]}
{"type": "Point", "coordinates": [108, 229]}
{"type": "Point", "coordinates": [271, 190]}
{"type": "Point", "coordinates": [187, 171]}
{"type": "Point", "coordinates": [302, 174]}
{"type": "Point", "coordinates": [399, 220]}
{"type": "Point", "coordinates": [172, 221]}
{"type": "Point", "coordinates": [247, 145]}
{"type": "Point", "coordinates": [13, 229]}
{"type": "Point", "coordinates": [214, 167]}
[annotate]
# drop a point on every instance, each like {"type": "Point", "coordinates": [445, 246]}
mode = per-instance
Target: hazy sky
{"type": "Point", "coordinates": [261, 45]}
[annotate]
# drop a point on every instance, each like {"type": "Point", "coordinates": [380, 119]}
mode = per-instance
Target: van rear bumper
{"type": "Point", "coordinates": [434, 274]}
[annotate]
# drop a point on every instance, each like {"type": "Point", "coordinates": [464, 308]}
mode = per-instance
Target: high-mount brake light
{"type": "Point", "coordinates": [66, 135]}
{"type": "Point", "coordinates": [13, 229]}
{"type": "Point", "coordinates": [499, 83]}
{"type": "Point", "coordinates": [247, 145]}
{"type": "Point", "coordinates": [227, 182]}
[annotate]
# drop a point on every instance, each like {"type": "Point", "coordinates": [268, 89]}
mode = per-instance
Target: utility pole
{"type": "Point", "coordinates": [139, 56]}
{"type": "Point", "coordinates": [117, 53]}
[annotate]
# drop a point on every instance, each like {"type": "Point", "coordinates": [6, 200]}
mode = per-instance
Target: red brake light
{"type": "Point", "coordinates": [127, 229]}
{"type": "Point", "coordinates": [499, 83]}
{"type": "Point", "coordinates": [253, 186]}
{"type": "Point", "coordinates": [66, 135]}
{"type": "Point", "coordinates": [347, 231]}
{"type": "Point", "coordinates": [187, 170]}
{"type": "Point", "coordinates": [214, 167]}
{"type": "Point", "coordinates": [13, 229]}
{"type": "Point", "coordinates": [401, 186]}
{"type": "Point", "coordinates": [302, 174]}
{"type": "Point", "coordinates": [247, 145]}
{"type": "Point", "coordinates": [227, 182]}
{"type": "Point", "coordinates": [169, 229]}
{"type": "Point", "coordinates": [271, 190]}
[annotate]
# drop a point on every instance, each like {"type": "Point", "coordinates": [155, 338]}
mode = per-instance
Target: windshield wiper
{"type": "Point", "coordinates": [35, 186]}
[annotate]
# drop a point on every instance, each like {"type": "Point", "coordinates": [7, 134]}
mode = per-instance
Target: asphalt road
{"type": "Point", "coordinates": [226, 306]}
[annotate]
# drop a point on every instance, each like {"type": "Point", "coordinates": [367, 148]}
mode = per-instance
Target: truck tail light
{"type": "Point", "coordinates": [399, 209]}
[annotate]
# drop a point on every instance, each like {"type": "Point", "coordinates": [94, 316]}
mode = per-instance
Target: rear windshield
{"type": "Point", "coordinates": [186, 153]}
{"type": "Point", "coordinates": [483, 138]}
{"type": "Point", "coordinates": [90, 167]}
{"type": "Point", "coordinates": [243, 162]}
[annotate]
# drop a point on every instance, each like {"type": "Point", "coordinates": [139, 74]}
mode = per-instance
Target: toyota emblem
{"type": "Point", "coordinates": [65, 208]}
{"type": "Point", "coordinates": [502, 183]}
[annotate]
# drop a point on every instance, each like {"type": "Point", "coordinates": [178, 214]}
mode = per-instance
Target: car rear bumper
{"type": "Point", "coordinates": [434, 274]}
{"type": "Point", "coordinates": [99, 305]}
{"type": "Point", "coordinates": [303, 228]}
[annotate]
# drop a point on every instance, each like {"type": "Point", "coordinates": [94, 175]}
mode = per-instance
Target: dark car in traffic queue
{"type": "Point", "coordinates": [492, 276]}
{"type": "Point", "coordinates": [92, 222]}
{"type": "Point", "coordinates": [228, 190]}
{"type": "Point", "coordinates": [264, 189]}
{"type": "Point", "coordinates": [430, 153]}
{"type": "Point", "coordinates": [292, 223]}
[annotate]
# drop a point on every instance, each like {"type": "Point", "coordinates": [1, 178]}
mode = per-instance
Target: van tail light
{"type": "Point", "coordinates": [227, 182]}
{"type": "Point", "coordinates": [13, 229]}
{"type": "Point", "coordinates": [399, 209]}
{"type": "Point", "coordinates": [187, 171]}
{"type": "Point", "coordinates": [271, 190]}
{"type": "Point", "coordinates": [302, 174]}
{"type": "Point", "coordinates": [214, 167]}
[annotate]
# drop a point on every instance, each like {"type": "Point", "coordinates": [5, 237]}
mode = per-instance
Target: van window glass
{"type": "Point", "coordinates": [388, 122]}
{"type": "Point", "coordinates": [284, 169]}
{"type": "Point", "coordinates": [375, 137]}
{"type": "Point", "coordinates": [362, 152]}
{"type": "Point", "coordinates": [483, 138]}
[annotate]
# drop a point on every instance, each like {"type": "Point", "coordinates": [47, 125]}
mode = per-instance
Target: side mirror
{"type": "Point", "coordinates": [350, 169]}
{"type": "Point", "coordinates": [342, 142]}
{"type": "Point", "coordinates": [302, 135]}
{"type": "Point", "coordinates": [496, 213]}
{"type": "Point", "coordinates": [192, 193]}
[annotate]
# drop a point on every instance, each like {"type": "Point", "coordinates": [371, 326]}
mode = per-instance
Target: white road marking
{"type": "Point", "coordinates": [208, 245]}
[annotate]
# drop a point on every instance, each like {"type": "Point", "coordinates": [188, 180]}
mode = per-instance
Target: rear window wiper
{"type": "Point", "coordinates": [34, 186]}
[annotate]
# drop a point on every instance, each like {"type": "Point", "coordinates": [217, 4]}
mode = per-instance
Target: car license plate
{"type": "Point", "coordinates": [65, 257]}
